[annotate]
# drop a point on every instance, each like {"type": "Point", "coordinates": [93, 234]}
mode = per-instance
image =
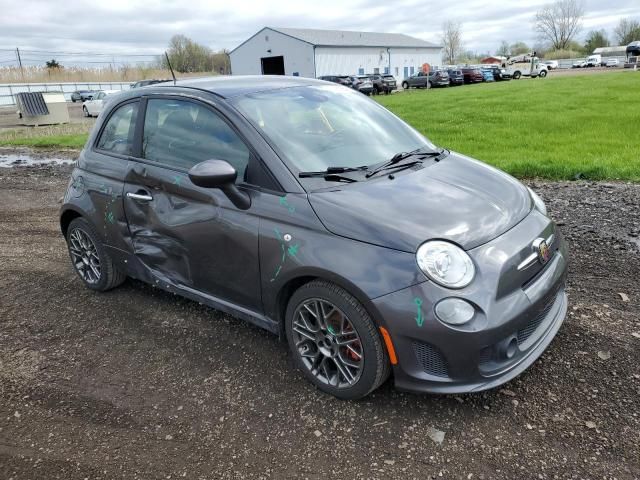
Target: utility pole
{"type": "Point", "coordinates": [20, 63]}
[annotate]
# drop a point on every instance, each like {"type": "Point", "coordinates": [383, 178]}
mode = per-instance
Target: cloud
{"type": "Point", "coordinates": [143, 27]}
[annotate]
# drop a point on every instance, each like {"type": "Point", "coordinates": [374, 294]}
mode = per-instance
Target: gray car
{"type": "Point", "coordinates": [372, 255]}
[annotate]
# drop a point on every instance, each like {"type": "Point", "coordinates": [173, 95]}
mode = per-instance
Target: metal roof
{"type": "Point", "coordinates": [620, 50]}
{"type": "Point", "coordinates": [346, 38]}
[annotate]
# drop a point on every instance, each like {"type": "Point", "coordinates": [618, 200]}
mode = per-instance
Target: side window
{"type": "Point", "coordinates": [181, 134]}
{"type": "Point", "coordinates": [117, 135]}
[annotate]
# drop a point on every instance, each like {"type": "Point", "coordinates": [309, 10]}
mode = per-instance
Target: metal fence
{"type": "Point", "coordinates": [9, 90]}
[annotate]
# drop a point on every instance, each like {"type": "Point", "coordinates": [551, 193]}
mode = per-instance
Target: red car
{"type": "Point", "coordinates": [472, 75]}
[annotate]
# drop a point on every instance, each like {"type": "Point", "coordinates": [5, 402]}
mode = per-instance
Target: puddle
{"type": "Point", "coordinates": [25, 160]}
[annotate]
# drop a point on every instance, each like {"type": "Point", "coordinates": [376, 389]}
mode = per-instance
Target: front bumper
{"type": "Point", "coordinates": [515, 320]}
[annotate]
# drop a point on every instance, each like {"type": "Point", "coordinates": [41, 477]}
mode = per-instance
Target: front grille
{"type": "Point", "coordinates": [524, 333]}
{"type": "Point", "coordinates": [431, 359]}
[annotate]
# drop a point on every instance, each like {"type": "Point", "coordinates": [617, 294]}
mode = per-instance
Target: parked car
{"type": "Point", "coordinates": [579, 64]}
{"type": "Point", "coordinates": [435, 78]}
{"type": "Point", "coordinates": [455, 77]}
{"type": "Point", "coordinates": [339, 79]}
{"type": "Point", "coordinates": [146, 83]}
{"type": "Point", "coordinates": [472, 75]}
{"type": "Point", "coordinates": [82, 95]}
{"type": "Point", "coordinates": [382, 83]}
{"type": "Point", "coordinates": [487, 75]}
{"type": "Point", "coordinates": [93, 107]}
{"type": "Point", "coordinates": [362, 84]}
{"type": "Point", "coordinates": [551, 64]}
{"type": "Point", "coordinates": [370, 254]}
{"type": "Point", "coordinates": [612, 62]}
{"type": "Point", "coordinates": [499, 73]}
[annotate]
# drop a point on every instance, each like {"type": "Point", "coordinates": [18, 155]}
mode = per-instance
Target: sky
{"type": "Point", "coordinates": [42, 29]}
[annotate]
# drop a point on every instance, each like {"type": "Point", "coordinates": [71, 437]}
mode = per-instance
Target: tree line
{"type": "Point", "coordinates": [558, 25]}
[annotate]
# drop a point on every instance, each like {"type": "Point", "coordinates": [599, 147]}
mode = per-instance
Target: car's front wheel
{"type": "Point", "coordinates": [90, 260]}
{"type": "Point", "coordinates": [543, 73]}
{"type": "Point", "coordinates": [405, 85]}
{"type": "Point", "coordinates": [85, 112]}
{"type": "Point", "coordinates": [334, 341]}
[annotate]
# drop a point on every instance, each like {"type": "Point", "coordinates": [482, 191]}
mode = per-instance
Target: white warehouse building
{"type": "Point", "coordinates": [315, 53]}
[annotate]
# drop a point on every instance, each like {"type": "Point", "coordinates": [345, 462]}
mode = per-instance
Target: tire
{"type": "Point", "coordinates": [373, 363]}
{"type": "Point", "coordinates": [516, 75]}
{"type": "Point", "coordinates": [543, 74]}
{"type": "Point", "coordinates": [109, 276]}
{"type": "Point", "coordinates": [375, 90]}
{"type": "Point", "coordinates": [85, 112]}
{"type": "Point", "coordinates": [405, 85]}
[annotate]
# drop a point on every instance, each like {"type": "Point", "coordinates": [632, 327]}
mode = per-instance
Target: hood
{"type": "Point", "coordinates": [457, 199]}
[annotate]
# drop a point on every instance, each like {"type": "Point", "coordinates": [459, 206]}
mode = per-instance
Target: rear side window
{"type": "Point", "coordinates": [181, 134]}
{"type": "Point", "coordinates": [117, 135]}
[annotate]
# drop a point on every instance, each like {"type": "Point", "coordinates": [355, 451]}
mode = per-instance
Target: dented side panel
{"type": "Point", "coordinates": [191, 236]}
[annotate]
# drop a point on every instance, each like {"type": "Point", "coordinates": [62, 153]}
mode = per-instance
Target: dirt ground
{"type": "Point", "coordinates": [137, 383]}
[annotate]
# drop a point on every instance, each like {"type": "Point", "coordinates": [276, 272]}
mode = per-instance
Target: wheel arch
{"type": "Point", "coordinates": [68, 215]}
{"type": "Point", "coordinates": [293, 283]}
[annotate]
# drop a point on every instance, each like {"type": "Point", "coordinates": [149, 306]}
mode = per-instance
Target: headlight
{"type": "Point", "coordinates": [445, 264]}
{"type": "Point", "coordinates": [537, 202]}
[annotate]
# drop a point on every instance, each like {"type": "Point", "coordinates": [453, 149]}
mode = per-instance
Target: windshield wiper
{"type": "Point", "coordinates": [398, 157]}
{"type": "Point", "coordinates": [332, 174]}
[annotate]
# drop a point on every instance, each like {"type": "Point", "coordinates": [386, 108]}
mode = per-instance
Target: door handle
{"type": "Point", "coordinates": [140, 197]}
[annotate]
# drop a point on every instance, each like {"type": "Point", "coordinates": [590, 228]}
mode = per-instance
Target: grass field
{"type": "Point", "coordinates": [556, 128]}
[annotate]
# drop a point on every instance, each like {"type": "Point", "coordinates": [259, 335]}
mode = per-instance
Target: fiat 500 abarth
{"type": "Point", "coordinates": [312, 211]}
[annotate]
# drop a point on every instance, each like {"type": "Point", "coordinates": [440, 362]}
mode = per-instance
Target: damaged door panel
{"type": "Point", "coordinates": [194, 237]}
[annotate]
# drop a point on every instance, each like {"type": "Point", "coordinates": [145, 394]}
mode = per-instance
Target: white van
{"type": "Point", "coordinates": [593, 61]}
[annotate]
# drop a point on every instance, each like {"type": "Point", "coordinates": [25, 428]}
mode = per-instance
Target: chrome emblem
{"type": "Point", "coordinates": [543, 250]}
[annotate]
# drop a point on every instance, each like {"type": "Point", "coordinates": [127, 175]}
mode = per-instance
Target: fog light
{"type": "Point", "coordinates": [454, 311]}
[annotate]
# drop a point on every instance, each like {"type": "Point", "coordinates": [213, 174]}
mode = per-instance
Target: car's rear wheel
{"type": "Point", "coordinates": [516, 75]}
{"type": "Point", "coordinates": [85, 112]}
{"type": "Point", "coordinates": [334, 341]}
{"type": "Point", "coordinates": [90, 260]}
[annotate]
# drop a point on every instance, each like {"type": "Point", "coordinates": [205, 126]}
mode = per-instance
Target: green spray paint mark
{"type": "Point", "coordinates": [110, 217]}
{"type": "Point", "coordinates": [419, 317]}
{"type": "Point", "coordinates": [284, 203]}
{"type": "Point", "coordinates": [177, 180]}
{"type": "Point", "coordinates": [331, 330]}
{"type": "Point", "coordinates": [293, 250]}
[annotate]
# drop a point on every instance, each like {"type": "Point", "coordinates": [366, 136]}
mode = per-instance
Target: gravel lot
{"type": "Point", "coordinates": [137, 383]}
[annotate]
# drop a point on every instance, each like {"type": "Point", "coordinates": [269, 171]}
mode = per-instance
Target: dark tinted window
{"type": "Point", "coordinates": [180, 134]}
{"type": "Point", "coordinates": [117, 135]}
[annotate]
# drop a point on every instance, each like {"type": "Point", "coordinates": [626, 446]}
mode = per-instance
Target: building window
{"type": "Point", "coordinates": [386, 70]}
{"type": "Point", "coordinates": [411, 70]}
{"type": "Point", "coordinates": [406, 72]}
{"type": "Point", "coordinates": [376, 71]}
{"type": "Point", "coordinates": [361, 71]}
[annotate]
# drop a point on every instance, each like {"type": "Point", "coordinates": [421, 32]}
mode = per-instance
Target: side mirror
{"type": "Point", "coordinates": [219, 174]}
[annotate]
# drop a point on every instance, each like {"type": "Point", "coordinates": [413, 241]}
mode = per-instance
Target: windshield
{"type": "Point", "coordinates": [317, 127]}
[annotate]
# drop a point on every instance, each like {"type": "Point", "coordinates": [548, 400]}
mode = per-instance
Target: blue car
{"type": "Point", "coordinates": [487, 75]}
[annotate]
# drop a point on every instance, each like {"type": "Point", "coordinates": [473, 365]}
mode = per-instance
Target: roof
{"type": "Point", "coordinates": [347, 38]}
{"type": "Point", "coordinates": [620, 50]}
{"type": "Point", "coordinates": [232, 86]}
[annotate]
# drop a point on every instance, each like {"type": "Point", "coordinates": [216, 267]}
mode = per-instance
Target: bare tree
{"type": "Point", "coordinates": [503, 50]}
{"type": "Point", "coordinates": [627, 31]}
{"type": "Point", "coordinates": [451, 41]}
{"type": "Point", "coordinates": [560, 22]}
